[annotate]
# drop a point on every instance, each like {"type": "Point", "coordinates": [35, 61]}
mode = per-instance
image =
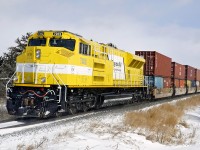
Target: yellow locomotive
{"type": "Point", "coordinates": [60, 71]}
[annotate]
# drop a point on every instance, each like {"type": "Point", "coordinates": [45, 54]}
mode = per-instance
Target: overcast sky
{"type": "Point", "coordinates": [171, 27]}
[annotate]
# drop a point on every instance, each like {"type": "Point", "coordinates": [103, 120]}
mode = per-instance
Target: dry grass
{"type": "Point", "coordinates": [66, 134]}
{"type": "Point", "coordinates": [184, 124]}
{"type": "Point", "coordinates": [36, 145]}
{"type": "Point", "coordinates": [20, 147]}
{"type": "Point", "coordinates": [160, 123]}
{"type": "Point", "coordinates": [24, 147]}
{"type": "Point", "coordinates": [106, 128]}
{"type": "Point", "coordinates": [164, 115]}
{"type": "Point", "coordinates": [188, 103]}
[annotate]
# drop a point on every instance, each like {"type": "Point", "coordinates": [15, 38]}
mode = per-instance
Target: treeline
{"type": "Point", "coordinates": [8, 61]}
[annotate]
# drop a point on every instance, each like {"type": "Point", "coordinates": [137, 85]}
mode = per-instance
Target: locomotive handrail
{"type": "Point", "coordinates": [23, 73]}
{"type": "Point", "coordinates": [99, 52]}
{"type": "Point", "coordinates": [64, 86]}
{"type": "Point", "coordinates": [57, 83]}
{"type": "Point", "coordinates": [131, 81]}
{"type": "Point", "coordinates": [36, 73]}
{"type": "Point", "coordinates": [10, 80]}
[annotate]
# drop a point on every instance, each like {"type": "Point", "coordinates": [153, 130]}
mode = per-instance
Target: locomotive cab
{"type": "Point", "coordinates": [45, 53]}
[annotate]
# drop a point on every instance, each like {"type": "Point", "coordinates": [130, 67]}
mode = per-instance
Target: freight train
{"type": "Point", "coordinates": [62, 72]}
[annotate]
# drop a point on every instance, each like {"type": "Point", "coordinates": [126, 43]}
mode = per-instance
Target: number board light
{"type": "Point", "coordinates": [57, 33]}
{"type": "Point", "coordinates": [40, 33]}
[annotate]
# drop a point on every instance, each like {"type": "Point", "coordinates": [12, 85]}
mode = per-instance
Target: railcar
{"type": "Point", "coordinates": [166, 78]}
{"type": "Point", "coordinates": [60, 71]}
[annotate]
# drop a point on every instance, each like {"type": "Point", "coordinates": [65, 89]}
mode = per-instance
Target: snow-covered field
{"type": "Point", "coordinates": [104, 131]}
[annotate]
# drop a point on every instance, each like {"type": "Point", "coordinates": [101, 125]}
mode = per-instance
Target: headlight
{"type": "Point", "coordinates": [43, 80]}
{"type": "Point", "coordinates": [38, 53]}
{"type": "Point", "coordinates": [15, 78]}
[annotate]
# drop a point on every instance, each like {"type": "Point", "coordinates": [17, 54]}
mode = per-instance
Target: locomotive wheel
{"type": "Point", "coordinates": [73, 109]}
{"type": "Point", "coordinates": [58, 114]}
{"type": "Point", "coordinates": [130, 101]}
{"type": "Point", "coordinates": [99, 101]}
{"type": "Point", "coordinates": [78, 106]}
{"type": "Point", "coordinates": [85, 107]}
{"type": "Point", "coordinates": [41, 114]}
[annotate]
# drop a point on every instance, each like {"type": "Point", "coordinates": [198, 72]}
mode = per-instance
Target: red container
{"type": "Point", "coordinates": [156, 63]}
{"type": "Point", "coordinates": [182, 83]}
{"type": "Point", "coordinates": [178, 83]}
{"type": "Point", "coordinates": [197, 74]}
{"type": "Point", "coordinates": [190, 73]}
{"type": "Point", "coordinates": [175, 82]}
{"type": "Point", "coordinates": [166, 82]}
{"type": "Point", "coordinates": [178, 71]}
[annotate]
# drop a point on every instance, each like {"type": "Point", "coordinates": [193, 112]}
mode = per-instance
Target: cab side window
{"type": "Point", "coordinates": [84, 49]}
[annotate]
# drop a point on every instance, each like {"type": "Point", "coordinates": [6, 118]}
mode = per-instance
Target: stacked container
{"type": "Point", "coordinates": [153, 81]}
{"type": "Point", "coordinates": [156, 64]}
{"type": "Point", "coordinates": [198, 80]}
{"type": "Point", "coordinates": [167, 82]}
{"type": "Point", "coordinates": [167, 77]}
{"type": "Point", "coordinates": [177, 75]}
{"type": "Point", "coordinates": [157, 69]}
{"type": "Point", "coordinates": [178, 78]}
{"type": "Point", "coordinates": [190, 77]}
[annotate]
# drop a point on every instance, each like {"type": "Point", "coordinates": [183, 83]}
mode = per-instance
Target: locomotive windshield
{"type": "Point", "coordinates": [37, 42]}
{"type": "Point", "coordinates": [66, 43]}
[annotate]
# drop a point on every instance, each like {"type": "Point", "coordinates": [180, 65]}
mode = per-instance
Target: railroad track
{"type": "Point", "coordinates": [21, 122]}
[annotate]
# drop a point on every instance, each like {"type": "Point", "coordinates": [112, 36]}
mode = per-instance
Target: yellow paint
{"type": "Point", "coordinates": [102, 68]}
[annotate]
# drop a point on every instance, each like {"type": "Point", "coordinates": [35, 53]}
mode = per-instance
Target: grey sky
{"type": "Point", "coordinates": [171, 27]}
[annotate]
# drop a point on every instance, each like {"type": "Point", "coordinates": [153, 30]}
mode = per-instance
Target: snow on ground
{"type": "Point", "coordinates": [9, 124]}
{"type": "Point", "coordinates": [101, 132]}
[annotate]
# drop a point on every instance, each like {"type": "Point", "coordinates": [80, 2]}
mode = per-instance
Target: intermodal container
{"type": "Point", "coordinates": [182, 83]}
{"type": "Point", "coordinates": [154, 81]}
{"type": "Point", "coordinates": [177, 71]}
{"type": "Point", "coordinates": [178, 83]}
{"type": "Point", "coordinates": [166, 82]}
{"type": "Point", "coordinates": [156, 64]}
{"type": "Point", "coordinates": [197, 83]}
{"type": "Point", "coordinates": [197, 74]}
{"type": "Point", "coordinates": [189, 83]}
{"type": "Point", "coordinates": [190, 73]}
{"type": "Point", "coordinates": [158, 82]}
{"type": "Point", "coordinates": [175, 82]}
{"type": "Point", "coordinates": [193, 83]}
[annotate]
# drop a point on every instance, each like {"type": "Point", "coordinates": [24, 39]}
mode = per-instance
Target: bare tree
{"type": "Point", "coordinates": [8, 60]}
